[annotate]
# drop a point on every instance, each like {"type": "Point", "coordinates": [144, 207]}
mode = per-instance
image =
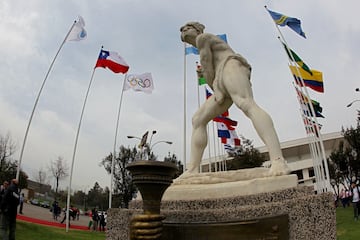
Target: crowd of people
{"type": "Point", "coordinates": [97, 220]}
{"type": "Point", "coordinates": [350, 196]}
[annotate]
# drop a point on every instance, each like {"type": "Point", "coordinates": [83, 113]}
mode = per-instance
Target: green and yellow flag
{"type": "Point", "coordinates": [294, 57]}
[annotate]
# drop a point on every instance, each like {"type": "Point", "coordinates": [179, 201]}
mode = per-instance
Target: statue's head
{"type": "Point", "coordinates": [188, 34]}
{"type": "Point", "coordinates": [196, 25]}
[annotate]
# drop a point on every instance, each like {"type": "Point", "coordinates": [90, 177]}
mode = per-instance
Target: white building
{"type": "Point", "coordinates": [297, 154]}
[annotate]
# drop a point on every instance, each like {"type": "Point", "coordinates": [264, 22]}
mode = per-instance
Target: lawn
{"type": "Point", "coordinates": [30, 231]}
{"type": "Point", "coordinates": [347, 228]}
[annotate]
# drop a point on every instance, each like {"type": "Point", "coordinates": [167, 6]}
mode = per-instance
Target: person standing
{"type": "Point", "coordinates": [3, 188]}
{"type": "Point", "coordinates": [21, 203]}
{"type": "Point", "coordinates": [9, 204]}
{"type": "Point", "coordinates": [95, 218]}
{"type": "Point", "coordinates": [355, 199]}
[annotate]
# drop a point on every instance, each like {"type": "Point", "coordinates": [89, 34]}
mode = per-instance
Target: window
{"type": "Point", "coordinates": [299, 174]}
{"type": "Point", "coordinates": [311, 172]}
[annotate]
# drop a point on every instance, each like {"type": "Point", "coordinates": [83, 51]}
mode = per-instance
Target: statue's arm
{"type": "Point", "coordinates": [204, 42]}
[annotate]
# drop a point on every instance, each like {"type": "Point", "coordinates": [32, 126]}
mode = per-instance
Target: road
{"type": "Point", "coordinates": [37, 212]}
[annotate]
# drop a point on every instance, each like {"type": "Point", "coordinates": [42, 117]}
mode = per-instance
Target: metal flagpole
{"type": "Point", "coordinates": [317, 141]}
{"type": "Point", "coordinates": [114, 153]}
{"type": "Point", "coordinates": [184, 140]}
{"type": "Point", "coordinates": [74, 152]}
{"type": "Point", "coordinates": [37, 100]}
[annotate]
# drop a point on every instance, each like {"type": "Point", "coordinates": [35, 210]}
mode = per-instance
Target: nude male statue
{"type": "Point", "coordinates": [228, 75]}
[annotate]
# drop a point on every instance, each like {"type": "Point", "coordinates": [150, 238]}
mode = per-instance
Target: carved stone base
{"type": "Point", "coordinates": [309, 216]}
{"type": "Point", "coordinates": [204, 190]}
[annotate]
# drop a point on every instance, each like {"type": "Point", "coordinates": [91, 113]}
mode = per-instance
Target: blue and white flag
{"type": "Point", "coordinates": [78, 31]}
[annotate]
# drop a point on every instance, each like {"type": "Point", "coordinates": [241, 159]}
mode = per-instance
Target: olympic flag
{"type": "Point", "coordinates": [139, 82]}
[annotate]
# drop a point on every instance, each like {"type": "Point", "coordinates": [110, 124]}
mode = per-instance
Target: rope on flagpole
{"type": "Point", "coordinates": [37, 100]}
{"type": "Point", "coordinates": [74, 151]}
{"type": "Point", "coordinates": [115, 138]}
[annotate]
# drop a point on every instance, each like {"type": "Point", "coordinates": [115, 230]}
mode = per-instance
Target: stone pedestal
{"type": "Point", "coordinates": [305, 215]}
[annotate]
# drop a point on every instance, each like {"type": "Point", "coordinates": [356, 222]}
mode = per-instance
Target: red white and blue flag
{"type": "Point", "coordinates": [112, 61]}
{"type": "Point", "coordinates": [223, 130]}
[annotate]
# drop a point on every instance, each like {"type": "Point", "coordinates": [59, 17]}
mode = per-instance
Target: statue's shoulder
{"type": "Point", "coordinates": [206, 38]}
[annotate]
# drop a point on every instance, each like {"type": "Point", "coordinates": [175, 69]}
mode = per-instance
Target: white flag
{"type": "Point", "coordinates": [78, 31]}
{"type": "Point", "coordinates": [139, 82]}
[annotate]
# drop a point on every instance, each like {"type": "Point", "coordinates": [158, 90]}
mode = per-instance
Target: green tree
{"type": "Point", "coordinates": [95, 197]}
{"type": "Point", "coordinates": [245, 156]}
{"type": "Point", "coordinates": [173, 158]}
{"type": "Point", "coordinates": [79, 199]}
{"type": "Point", "coordinates": [124, 190]}
{"type": "Point", "coordinates": [344, 162]}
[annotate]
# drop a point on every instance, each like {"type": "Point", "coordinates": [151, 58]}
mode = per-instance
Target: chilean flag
{"type": "Point", "coordinates": [113, 61]}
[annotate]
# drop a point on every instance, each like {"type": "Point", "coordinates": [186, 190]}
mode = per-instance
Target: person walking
{"type": "Point", "coordinates": [9, 205]}
{"type": "Point", "coordinates": [355, 200]}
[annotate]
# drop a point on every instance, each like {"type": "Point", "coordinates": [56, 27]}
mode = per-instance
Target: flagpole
{"type": "Point", "coordinates": [114, 150]}
{"type": "Point", "coordinates": [184, 140]}
{"type": "Point", "coordinates": [74, 151]}
{"type": "Point", "coordinates": [37, 100]}
{"type": "Point", "coordinates": [319, 138]}
{"type": "Point", "coordinates": [198, 101]}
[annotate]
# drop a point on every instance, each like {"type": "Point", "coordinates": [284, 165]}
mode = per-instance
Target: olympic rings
{"type": "Point", "coordinates": [136, 81]}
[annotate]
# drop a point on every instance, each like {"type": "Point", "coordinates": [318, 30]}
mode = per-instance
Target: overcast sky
{"type": "Point", "coordinates": [146, 34]}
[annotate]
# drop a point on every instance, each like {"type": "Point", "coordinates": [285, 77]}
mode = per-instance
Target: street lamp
{"type": "Point", "coordinates": [152, 134]}
{"type": "Point", "coordinates": [149, 149]}
{"type": "Point", "coordinates": [133, 137]}
{"type": "Point", "coordinates": [167, 142]}
{"type": "Point", "coordinates": [349, 105]}
{"type": "Point", "coordinates": [150, 146]}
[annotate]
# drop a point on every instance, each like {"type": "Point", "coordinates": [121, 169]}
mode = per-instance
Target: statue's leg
{"type": "Point", "coordinates": [238, 85]}
{"type": "Point", "coordinates": [206, 112]}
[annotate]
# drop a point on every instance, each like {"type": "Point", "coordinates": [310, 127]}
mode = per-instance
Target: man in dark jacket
{"type": "Point", "coordinates": [3, 188]}
{"type": "Point", "coordinates": [9, 204]}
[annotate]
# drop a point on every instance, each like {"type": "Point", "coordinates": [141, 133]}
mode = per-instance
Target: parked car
{"type": "Point", "coordinates": [35, 202]}
{"type": "Point", "coordinates": [45, 204]}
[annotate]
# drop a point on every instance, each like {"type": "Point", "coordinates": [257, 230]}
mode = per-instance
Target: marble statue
{"type": "Point", "coordinates": [228, 74]}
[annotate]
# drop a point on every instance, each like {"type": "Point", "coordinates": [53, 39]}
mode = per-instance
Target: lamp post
{"type": "Point", "coordinates": [349, 105]}
{"type": "Point", "coordinates": [150, 146]}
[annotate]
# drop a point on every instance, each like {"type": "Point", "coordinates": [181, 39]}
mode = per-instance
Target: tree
{"type": "Point", "coordinates": [7, 149]}
{"type": "Point", "coordinates": [8, 166]}
{"type": "Point", "coordinates": [124, 190]}
{"type": "Point", "coordinates": [344, 162]}
{"type": "Point", "coordinates": [79, 199]}
{"type": "Point", "coordinates": [178, 163]}
{"type": "Point", "coordinates": [41, 177]}
{"type": "Point", "coordinates": [94, 196]}
{"type": "Point", "coordinates": [245, 156]}
{"type": "Point", "coordinates": [59, 170]}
